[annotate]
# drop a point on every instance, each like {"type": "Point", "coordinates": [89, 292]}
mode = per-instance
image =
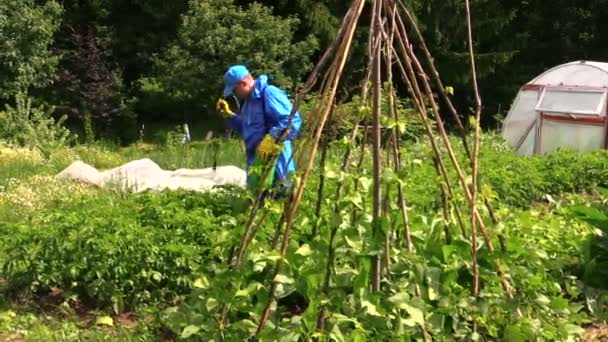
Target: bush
{"type": "Point", "coordinates": [594, 266]}
{"type": "Point", "coordinates": [114, 251]}
{"type": "Point", "coordinates": [518, 181]}
{"type": "Point", "coordinates": [30, 126]}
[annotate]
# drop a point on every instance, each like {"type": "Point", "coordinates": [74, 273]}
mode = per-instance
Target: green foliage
{"type": "Point", "coordinates": [540, 245]}
{"type": "Point", "coordinates": [89, 88]}
{"type": "Point", "coordinates": [444, 29]}
{"type": "Point", "coordinates": [33, 126]}
{"type": "Point", "coordinates": [320, 18]}
{"type": "Point", "coordinates": [89, 133]}
{"type": "Point", "coordinates": [172, 248]}
{"type": "Point", "coordinates": [168, 57]}
{"type": "Point", "coordinates": [518, 181]}
{"type": "Point", "coordinates": [174, 138]}
{"type": "Point", "coordinates": [192, 155]}
{"type": "Point", "coordinates": [22, 324]}
{"type": "Point", "coordinates": [346, 115]}
{"type": "Point", "coordinates": [215, 34]}
{"type": "Point", "coordinates": [26, 34]}
{"type": "Point", "coordinates": [595, 266]}
{"type": "Point", "coordinates": [139, 29]}
{"type": "Point", "coordinates": [119, 259]}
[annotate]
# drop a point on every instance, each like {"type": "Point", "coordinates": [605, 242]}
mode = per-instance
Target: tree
{"type": "Point", "coordinates": [138, 29]}
{"type": "Point", "coordinates": [444, 29]}
{"type": "Point", "coordinates": [213, 35]}
{"type": "Point", "coordinates": [89, 87]}
{"type": "Point", "coordinates": [26, 33]}
{"type": "Point", "coordinates": [320, 18]}
{"type": "Point", "coordinates": [544, 36]}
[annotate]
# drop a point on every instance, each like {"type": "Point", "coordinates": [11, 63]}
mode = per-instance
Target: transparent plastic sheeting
{"type": "Point", "coordinates": [580, 137]}
{"type": "Point", "coordinates": [521, 117]}
{"type": "Point", "coordinates": [527, 146]}
{"type": "Point", "coordinates": [580, 102]}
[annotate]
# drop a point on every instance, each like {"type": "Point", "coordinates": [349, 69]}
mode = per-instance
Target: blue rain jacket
{"type": "Point", "coordinates": [266, 111]}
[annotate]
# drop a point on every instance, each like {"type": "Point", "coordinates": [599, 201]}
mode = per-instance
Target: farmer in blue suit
{"type": "Point", "coordinates": [262, 118]}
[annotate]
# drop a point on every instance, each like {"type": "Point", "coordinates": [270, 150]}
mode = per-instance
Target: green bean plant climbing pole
{"type": "Point", "coordinates": [391, 55]}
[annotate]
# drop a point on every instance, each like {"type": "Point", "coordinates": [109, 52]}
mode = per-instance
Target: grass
{"type": "Point", "coordinates": [198, 154]}
{"type": "Point", "coordinates": [25, 324]}
{"type": "Point", "coordinates": [24, 162]}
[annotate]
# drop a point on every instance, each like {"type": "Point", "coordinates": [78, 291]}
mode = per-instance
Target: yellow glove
{"type": "Point", "coordinates": [268, 148]}
{"type": "Point", "coordinates": [223, 107]}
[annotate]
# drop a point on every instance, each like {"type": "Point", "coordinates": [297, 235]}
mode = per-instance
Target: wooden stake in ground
{"type": "Point", "coordinates": [376, 152]}
{"type": "Point", "coordinates": [330, 92]}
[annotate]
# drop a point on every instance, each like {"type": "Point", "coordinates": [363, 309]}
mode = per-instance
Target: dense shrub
{"type": "Point", "coordinates": [514, 180]}
{"type": "Point", "coordinates": [33, 126]}
{"type": "Point", "coordinates": [111, 250]}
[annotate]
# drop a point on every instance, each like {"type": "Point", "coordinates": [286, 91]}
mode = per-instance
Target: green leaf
{"type": "Point", "coordinates": [283, 279]}
{"type": "Point", "coordinates": [401, 127]}
{"type": "Point", "coordinates": [105, 320]}
{"type": "Point", "coordinates": [447, 251]}
{"type": "Point", "coordinates": [242, 293]}
{"type": "Point", "coordinates": [574, 329]}
{"type": "Point", "coordinates": [389, 176]}
{"type": "Point", "coordinates": [211, 304]}
{"type": "Point", "coordinates": [416, 316]}
{"type": "Point", "coordinates": [157, 276]}
{"type": "Point", "coordinates": [272, 256]}
{"type": "Point", "coordinates": [250, 289]}
{"type": "Point", "coordinates": [400, 300]}
{"type": "Point", "coordinates": [341, 318]}
{"type": "Point", "coordinates": [542, 300]}
{"type": "Point", "coordinates": [433, 295]}
{"type": "Point", "coordinates": [370, 308]}
{"type": "Point", "coordinates": [189, 331]}
{"type": "Point", "coordinates": [289, 337]}
{"type": "Point", "coordinates": [355, 199]}
{"type": "Point", "coordinates": [433, 276]}
{"type": "Point", "coordinates": [246, 325]}
{"type": "Point", "coordinates": [330, 174]}
{"type": "Point", "coordinates": [356, 245]}
{"type": "Point", "coordinates": [513, 334]}
{"type": "Point", "coordinates": [358, 336]}
{"type": "Point", "coordinates": [362, 279]}
{"type": "Point", "coordinates": [365, 184]}
{"type": "Point", "coordinates": [304, 250]}
{"type": "Point", "coordinates": [201, 283]}
{"type": "Point", "coordinates": [541, 253]}
{"type": "Point", "coordinates": [336, 333]}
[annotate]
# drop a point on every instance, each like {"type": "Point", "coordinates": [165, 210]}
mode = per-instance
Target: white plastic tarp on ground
{"type": "Point", "coordinates": [144, 174]}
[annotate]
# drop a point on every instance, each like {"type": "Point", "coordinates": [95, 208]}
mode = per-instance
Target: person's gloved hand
{"type": "Point", "coordinates": [268, 148]}
{"type": "Point", "coordinates": [223, 107]}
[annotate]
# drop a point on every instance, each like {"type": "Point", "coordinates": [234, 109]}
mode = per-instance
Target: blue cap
{"type": "Point", "coordinates": [233, 76]}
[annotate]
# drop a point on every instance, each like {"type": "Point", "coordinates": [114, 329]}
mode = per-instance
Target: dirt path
{"type": "Point", "coordinates": [596, 332]}
{"type": "Point", "coordinates": [11, 338]}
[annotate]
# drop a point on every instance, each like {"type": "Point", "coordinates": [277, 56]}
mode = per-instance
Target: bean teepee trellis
{"type": "Point", "coordinates": [389, 48]}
